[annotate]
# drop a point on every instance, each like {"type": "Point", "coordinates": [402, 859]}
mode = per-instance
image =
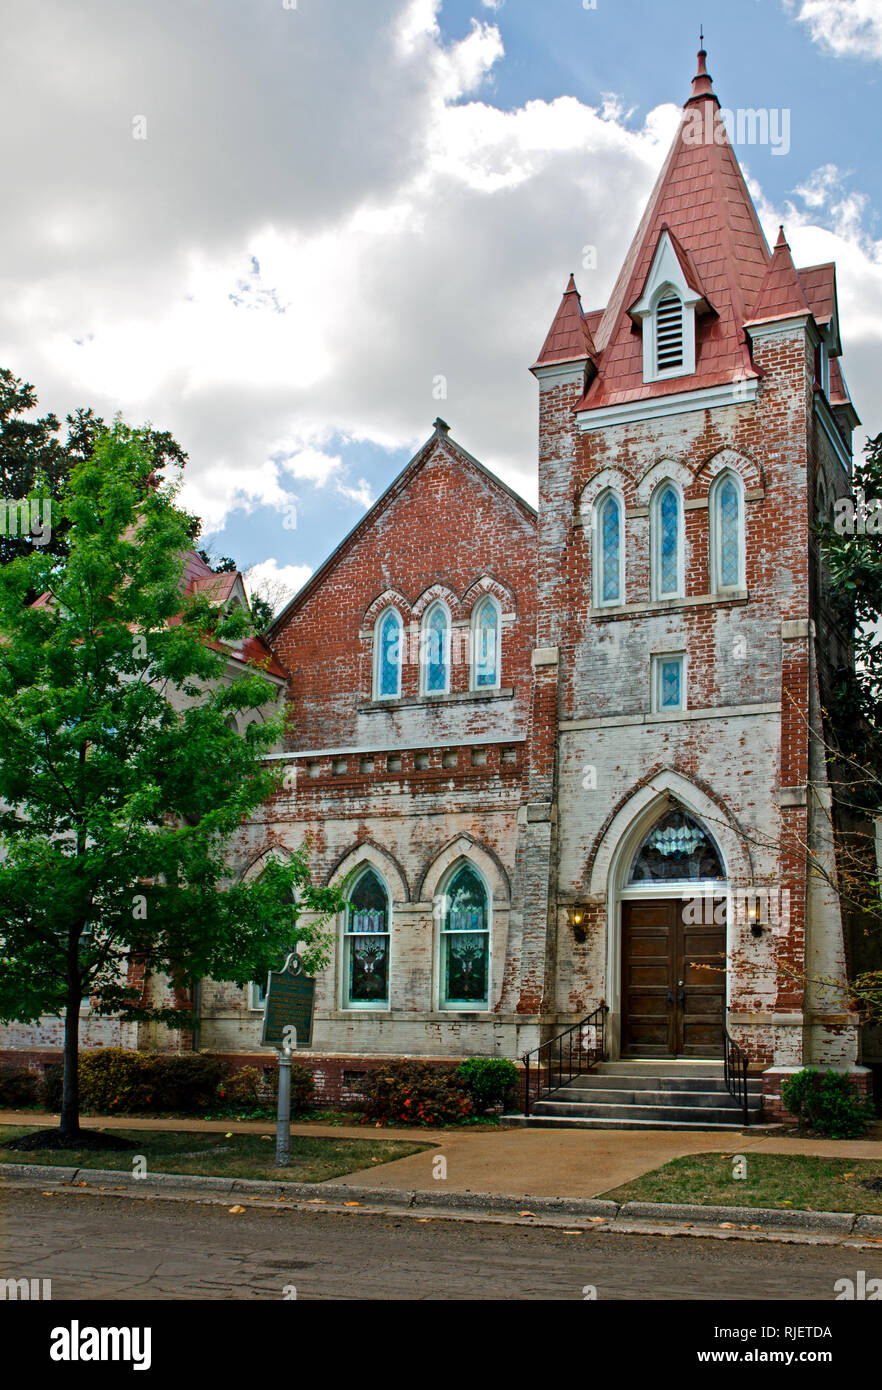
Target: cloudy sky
{"type": "Point", "coordinates": [293, 232]}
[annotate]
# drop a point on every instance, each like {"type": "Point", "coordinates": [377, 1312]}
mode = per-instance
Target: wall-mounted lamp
{"type": "Point", "coordinates": [754, 919]}
{"type": "Point", "coordinates": [578, 922]}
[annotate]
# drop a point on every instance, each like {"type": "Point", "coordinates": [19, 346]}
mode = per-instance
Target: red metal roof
{"type": "Point", "coordinates": [216, 587]}
{"type": "Point", "coordinates": [569, 338]}
{"type": "Point", "coordinates": [819, 283]}
{"type": "Point", "coordinates": [781, 295]}
{"type": "Point", "coordinates": [702, 199]}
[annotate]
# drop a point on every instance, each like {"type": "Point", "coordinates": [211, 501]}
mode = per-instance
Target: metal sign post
{"type": "Point", "coordinates": [283, 1120]}
{"type": "Point", "coordinates": [287, 1018]}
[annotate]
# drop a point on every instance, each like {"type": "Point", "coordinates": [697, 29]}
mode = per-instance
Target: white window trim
{"type": "Point", "coordinates": [666, 278]}
{"type": "Point", "coordinates": [657, 663]}
{"type": "Point", "coordinates": [597, 538]}
{"type": "Point", "coordinates": [424, 664]}
{"type": "Point", "coordinates": [254, 1003]}
{"type": "Point", "coordinates": [655, 540]}
{"type": "Point", "coordinates": [378, 652]}
{"type": "Point", "coordinates": [715, 526]}
{"type": "Point", "coordinates": [365, 1005]}
{"type": "Point", "coordinates": [473, 679]}
{"type": "Point", "coordinates": [460, 1006]}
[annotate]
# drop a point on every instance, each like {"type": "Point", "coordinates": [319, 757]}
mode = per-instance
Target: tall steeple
{"type": "Point", "coordinates": [702, 201]}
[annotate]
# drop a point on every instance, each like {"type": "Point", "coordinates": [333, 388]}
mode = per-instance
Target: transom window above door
{"type": "Point", "coordinates": [677, 849]}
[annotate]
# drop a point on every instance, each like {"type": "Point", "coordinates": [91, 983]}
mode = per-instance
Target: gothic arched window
{"type": "Point", "coordinates": [366, 941]}
{"type": "Point", "coordinates": [609, 556]}
{"type": "Point", "coordinates": [436, 650]}
{"type": "Point", "coordinates": [389, 651]}
{"type": "Point", "coordinates": [667, 543]}
{"type": "Point", "coordinates": [486, 645]}
{"type": "Point", "coordinates": [465, 942]}
{"type": "Point", "coordinates": [727, 534]}
{"type": "Point", "coordinates": [676, 849]}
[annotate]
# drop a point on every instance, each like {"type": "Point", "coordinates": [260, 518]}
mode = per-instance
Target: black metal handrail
{"type": "Point", "coordinates": [735, 1064]}
{"type": "Point", "coordinates": [582, 1046]}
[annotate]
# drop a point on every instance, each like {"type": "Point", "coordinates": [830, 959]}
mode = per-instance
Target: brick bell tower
{"type": "Point", "coordinates": [690, 433]}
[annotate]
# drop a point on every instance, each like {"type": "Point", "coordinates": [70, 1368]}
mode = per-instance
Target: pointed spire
{"type": "Point", "coordinates": [702, 82]}
{"type": "Point", "coordinates": [569, 338]}
{"type": "Point", "coordinates": [781, 294]}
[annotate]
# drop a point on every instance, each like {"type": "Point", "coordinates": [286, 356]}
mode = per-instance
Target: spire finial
{"type": "Point", "coordinates": [702, 83]}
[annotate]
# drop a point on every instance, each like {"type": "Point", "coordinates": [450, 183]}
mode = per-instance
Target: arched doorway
{"type": "Point", "coordinates": [673, 942]}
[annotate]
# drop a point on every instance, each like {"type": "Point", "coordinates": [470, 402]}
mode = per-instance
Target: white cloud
{"type": "Point", "coordinates": [826, 221]}
{"type": "Point", "coordinates": [276, 583]}
{"type": "Point", "coordinates": [848, 28]}
{"type": "Point", "coordinates": [328, 215]}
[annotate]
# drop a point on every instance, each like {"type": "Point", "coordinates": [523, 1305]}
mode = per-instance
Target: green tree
{"type": "Point", "coordinates": [36, 462]}
{"type": "Point", "coordinates": [852, 547]}
{"type": "Point", "coordinates": [121, 781]}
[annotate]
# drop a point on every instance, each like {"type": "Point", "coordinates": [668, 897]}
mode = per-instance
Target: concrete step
{"type": "Point", "coordinates": [586, 1094]}
{"type": "Point", "coordinates": [666, 1066]}
{"type": "Point", "coordinates": [687, 1114]}
{"type": "Point", "coordinates": [627, 1081]}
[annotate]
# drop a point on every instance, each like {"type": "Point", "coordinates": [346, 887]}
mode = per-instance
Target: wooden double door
{"type": "Point", "coordinates": [673, 980]}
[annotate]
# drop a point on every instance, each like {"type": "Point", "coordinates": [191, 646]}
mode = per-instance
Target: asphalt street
{"type": "Point", "coordinates": [95, 1247]}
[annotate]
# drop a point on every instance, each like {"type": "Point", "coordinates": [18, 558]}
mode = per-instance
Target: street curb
{"type": "Point", "coordinates": [611, 1214]}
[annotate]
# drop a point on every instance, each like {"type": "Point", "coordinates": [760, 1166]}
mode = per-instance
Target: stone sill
{"type": "Point", "coordinates": [667, 605]}
{"type": "Point", "coordinates": [425, 701]}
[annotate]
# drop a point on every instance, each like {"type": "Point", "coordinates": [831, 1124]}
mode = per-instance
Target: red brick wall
{"type": "Point", "coordinates": [448, 527]}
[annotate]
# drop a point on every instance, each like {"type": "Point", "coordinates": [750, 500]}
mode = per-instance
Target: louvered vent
{"type": "Point", "coordinates": [669, 334]}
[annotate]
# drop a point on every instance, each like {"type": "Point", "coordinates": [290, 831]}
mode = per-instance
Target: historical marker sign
{"type": "Point", "coordinates": [290, 1001]}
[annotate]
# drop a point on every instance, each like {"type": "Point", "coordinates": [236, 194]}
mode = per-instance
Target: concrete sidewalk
{"type": "Point", "coordinates": [514, 1162]}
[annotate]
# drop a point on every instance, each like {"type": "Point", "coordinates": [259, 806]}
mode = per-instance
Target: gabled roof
{"type": "Point", "coordinates": [819, 283]}
{"type": "Point", "coordinates": [569, 338]}
{"type": "Point", "coordinates": [439, 440]}
{"type": "Point", "coordinates": [703, 200]}
{"type": "Point", "coordinates": [691, 276]}
{"type": "Point", "coordinates": [781, 294]}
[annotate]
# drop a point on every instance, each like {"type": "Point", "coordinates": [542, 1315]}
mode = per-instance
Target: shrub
{"type": "Point", "coordinates": [184, 1081]}
{"type": "Point", "coordinates": [489, 1081]}
{"type": "Point", "coordinates": [244, 1089]}
{"type": "Point", "coordinates": [302, 1087]}
{"type": "Point", "coordinates": [828, 1103]}
{"type": "Point", "coordinates": [51, 1084]}
{"type": "Point", "coordinates": [416, 1093]}
{"type": "Point", "coordinates": [18, 1086]}
{"type": "Point", "coordinates": [115, 1082]}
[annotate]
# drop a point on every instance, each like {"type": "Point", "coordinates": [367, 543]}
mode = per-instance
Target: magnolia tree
{"type": "Point", "coordinates": [121, 780]}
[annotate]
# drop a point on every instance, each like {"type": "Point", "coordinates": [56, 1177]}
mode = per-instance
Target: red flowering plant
{"type": "Point", "coordinates": [416, 1093]}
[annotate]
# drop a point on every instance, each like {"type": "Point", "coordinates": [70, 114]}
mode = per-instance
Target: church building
{"type": "Point", "coordinates": [576, 757]}
{"type": "Point", "coordinates": [569, 763]}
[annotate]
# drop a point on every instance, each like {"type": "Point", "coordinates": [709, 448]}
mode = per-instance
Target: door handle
{"type": "Point", "coordinates": [681, 995]}
{"type": "Point", "coordinates": [670, 998]}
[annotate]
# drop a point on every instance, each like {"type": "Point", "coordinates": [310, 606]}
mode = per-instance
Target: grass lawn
{"type": "Point", "coordinates": [798, 1181]}
{"type": "Point", "coordinates": [226, 1156]}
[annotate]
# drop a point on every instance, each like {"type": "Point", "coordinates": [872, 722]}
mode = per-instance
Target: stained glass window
{"type": "Point", "coordinates": [366, 943]}
{"type": "Point", "coordinates": [728, 506]}
{"type": "Point", "coordinates": [676, 848]}
{"type": "Point", "coordinates": [486, 639]}
{"type": "Point", "coordinates": [465, 943]}
{"type": "Point", "coordinates": [671, 677]}
{"type": "Point", "coordinates": [668, 523]}
{"type": "Point", "coordinates": [389, 664]}
{"type": "Point", "coordinates": [436, 649]}
{"type": "Point", "coordinates": [610, 551]}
